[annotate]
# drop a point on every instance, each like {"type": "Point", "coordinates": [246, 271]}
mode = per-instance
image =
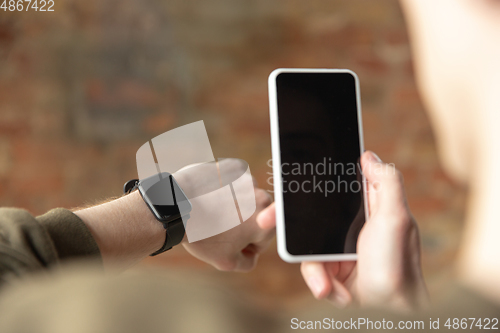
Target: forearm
{"type": "Point", "coordinates": [125, 230]}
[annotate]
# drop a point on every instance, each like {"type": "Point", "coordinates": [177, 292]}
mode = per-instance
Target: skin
{"type": "Point", "coordinates": [456, 51]}
{"type": "Point", "coordinates": [456, 48]}
{"type": "Point", "coordinates": [388, 271]}
{"type": "Point", "coordinates": [127, 232]}
{"type": "Point", "coordinates": [456, 55]}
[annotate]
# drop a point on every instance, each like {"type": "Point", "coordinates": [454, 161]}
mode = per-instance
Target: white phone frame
{"type": "Point", "coordinates": [278, 181]}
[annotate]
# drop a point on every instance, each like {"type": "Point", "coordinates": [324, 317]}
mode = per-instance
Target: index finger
{"type": "Point", "coordinates": [267, 217]}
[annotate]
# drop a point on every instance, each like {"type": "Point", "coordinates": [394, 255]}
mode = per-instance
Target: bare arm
{"type": "Point", "coordinates": [124, 229]}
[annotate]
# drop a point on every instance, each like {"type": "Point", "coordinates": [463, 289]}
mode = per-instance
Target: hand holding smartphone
{"type": "Point", "coordinates": [317, 142]}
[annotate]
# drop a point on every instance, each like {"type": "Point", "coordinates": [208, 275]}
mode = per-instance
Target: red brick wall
{"type": "Point", "coordinates": [83, 87]}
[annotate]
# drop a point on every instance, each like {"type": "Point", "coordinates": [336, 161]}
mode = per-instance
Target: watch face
{"type": "Point", "coordinates": [164, 197]}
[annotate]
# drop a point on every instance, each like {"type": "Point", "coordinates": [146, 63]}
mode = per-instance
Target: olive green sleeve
{"type": "Point", "coordinates": [69, 234]}
{"type": "Point", "coordinates": [30, 243]}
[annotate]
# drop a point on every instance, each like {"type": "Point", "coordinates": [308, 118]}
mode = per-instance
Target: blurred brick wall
{"type": "Point", "coordinates": [83, 87]}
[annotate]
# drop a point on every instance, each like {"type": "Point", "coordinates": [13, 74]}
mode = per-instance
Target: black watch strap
{"type": "Point", "coordinates": [173, 236]}
{"type": "Point", "coordinates": [130, 186]}
{"type": "Point", "coordinates": [174, 229]}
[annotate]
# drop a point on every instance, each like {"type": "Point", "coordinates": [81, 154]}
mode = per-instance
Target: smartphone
{"type": "Point", "coordinates": [317, 141]}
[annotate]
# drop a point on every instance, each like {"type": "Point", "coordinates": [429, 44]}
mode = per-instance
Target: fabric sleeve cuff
{"type": "Point", "coordinates": [70, 235]}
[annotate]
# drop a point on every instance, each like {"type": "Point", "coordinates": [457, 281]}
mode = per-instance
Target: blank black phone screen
{"type": "Point", "coordinates": [320, 151]}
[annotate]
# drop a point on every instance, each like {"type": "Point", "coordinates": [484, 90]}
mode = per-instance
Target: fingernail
{"type": "Point", "coordinates": [315, 286]}
{"type": "Point", "coordinates": [374, 157]}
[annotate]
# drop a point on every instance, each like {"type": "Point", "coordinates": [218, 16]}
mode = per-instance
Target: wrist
{"type": "Point", "coordinates": [150, 232]}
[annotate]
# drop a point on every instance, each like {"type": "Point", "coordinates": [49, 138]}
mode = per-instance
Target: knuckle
{"type": "Point", "coordinates": [392, 173]}
{"type": "Point", "coordinates": [403, 218]}
{"type": "Point", "coordinates": [267, 237]}
{"type": "Point", "coordinates": [262, 198]}
{"type": "Point", "coordinates": [248, 265]}
{"type": "Point", "coordinates": [226, 264]}
{"type": "Point", "coordinates": [394, 179]}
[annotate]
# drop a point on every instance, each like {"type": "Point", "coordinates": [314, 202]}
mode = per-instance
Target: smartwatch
{"type": "Point", "coordinates": [167, 202]}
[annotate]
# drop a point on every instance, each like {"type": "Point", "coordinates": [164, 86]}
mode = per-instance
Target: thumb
{"type": "Point", "coordinates": [385, 184]}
